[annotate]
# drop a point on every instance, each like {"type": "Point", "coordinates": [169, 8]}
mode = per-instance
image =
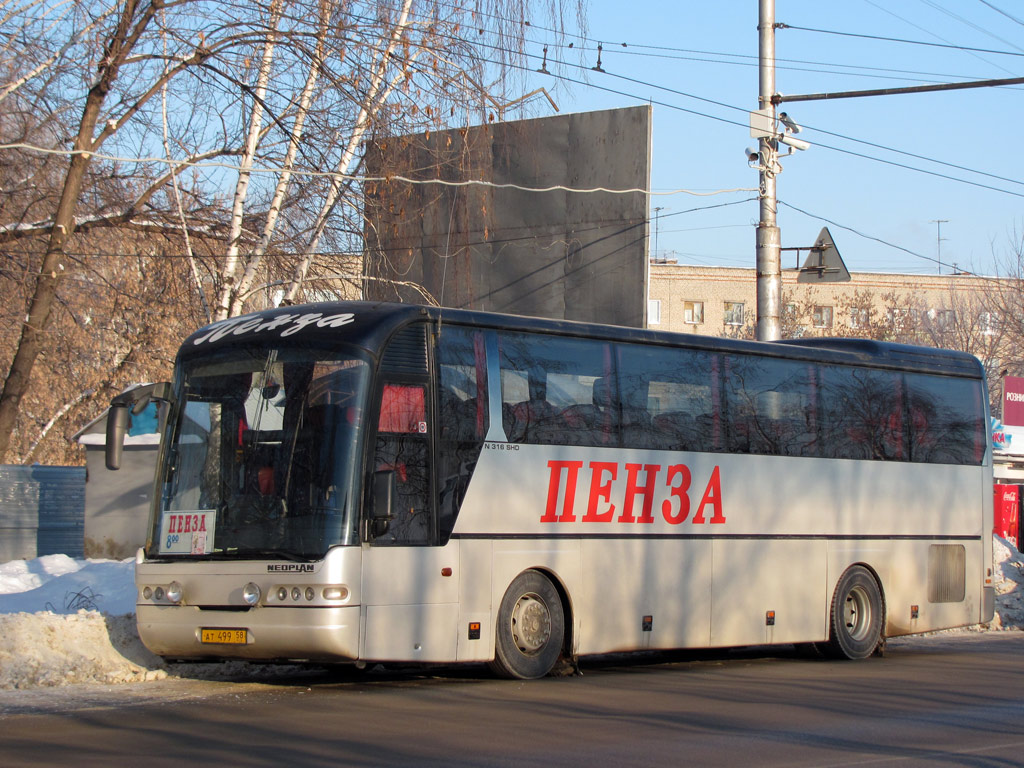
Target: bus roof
{"type": "Point", "coordinates": [371, 324]}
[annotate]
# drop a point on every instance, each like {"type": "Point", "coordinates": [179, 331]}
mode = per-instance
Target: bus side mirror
{"type": "Point", "coordinates": [384, 485]}
{"type": "Point", "coordinates": [117, 417]}
{"type": "Point", "coordinates": [117, 425]}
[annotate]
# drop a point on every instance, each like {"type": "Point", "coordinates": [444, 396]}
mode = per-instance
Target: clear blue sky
{"type": "Point", "coordinates": [677, 54]}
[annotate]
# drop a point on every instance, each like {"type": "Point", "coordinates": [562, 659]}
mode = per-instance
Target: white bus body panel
{"type": "Point", "coordinates": [410, 605]}
{"type": "Point", "coordinates": [762, 534]}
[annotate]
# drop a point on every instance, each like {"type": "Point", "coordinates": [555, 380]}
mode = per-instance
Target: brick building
{"type": "Point", "coordinates": [720, 301]}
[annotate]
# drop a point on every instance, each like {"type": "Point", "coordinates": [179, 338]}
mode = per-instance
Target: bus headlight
{"type": "Point", "coordinates": [251, 593]}
{"type": "Point", "coordinates": [174, 592]}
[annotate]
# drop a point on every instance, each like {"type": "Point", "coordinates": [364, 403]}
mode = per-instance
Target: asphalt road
{"type": "Point", "coordinates": [944, 700]}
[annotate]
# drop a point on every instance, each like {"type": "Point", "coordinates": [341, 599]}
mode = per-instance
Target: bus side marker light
{"type": "Point", "coordinates": [336, 593]}
{"type": "Point", "coordinates": [647, 623]}
{"type": "Point", "coordinates": [769, 618]}
{"type": "Point", "coordinates": [474, 630]}
{"type": "Point", "coordinates": [446, 571]}
{"type": "Point", "coordinates": [914, 611]}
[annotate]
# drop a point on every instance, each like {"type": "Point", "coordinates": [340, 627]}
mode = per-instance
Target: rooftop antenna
{"type": "Point", "coordinates": [938, 240]}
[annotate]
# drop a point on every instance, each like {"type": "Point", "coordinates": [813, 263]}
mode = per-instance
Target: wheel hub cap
{"type": "Point", "coordinates": [531, 624]}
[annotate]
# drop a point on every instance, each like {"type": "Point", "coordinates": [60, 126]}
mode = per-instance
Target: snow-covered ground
{"type": "Point", "coordinates": [65, 621]}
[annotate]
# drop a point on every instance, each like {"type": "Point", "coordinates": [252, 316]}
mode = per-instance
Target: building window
{"type": "Point", "coordinates": [822, 317]}
{"type": "Point", "coordinates": [989, 323]}
{"type": "Point", "coordinates": [942, 319]}
{"type": "Point", "coordinates": [860, 317]}
{"type": "Point", "coordinates": [654, 311]}
{"type": "Point", "coordinates": [734, 313]}
{"type": "Point", "coordinates": [693, 312]}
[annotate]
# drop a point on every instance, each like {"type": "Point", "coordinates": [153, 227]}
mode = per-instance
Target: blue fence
{"type": "Point", "coordinates": [42, 511]}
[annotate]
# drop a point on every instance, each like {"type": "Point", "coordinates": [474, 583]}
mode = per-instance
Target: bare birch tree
{"type": "Point", "coordinates": [223, 140]}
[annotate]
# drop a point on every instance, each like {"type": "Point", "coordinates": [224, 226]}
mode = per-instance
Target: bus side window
{"type": "Point", "coordinates": [463, 418]}
{"type": "Point", "coordinates": [861, 413]}
{"type": "Point", "coordinates": [668, 398]}
{"type": "Point", "coordinates": [946, 420]}
{"type": "Point", "coordinates": [558, 391]}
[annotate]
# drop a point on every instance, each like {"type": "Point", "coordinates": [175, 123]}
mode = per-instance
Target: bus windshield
{"type": "Point", "coordinates": [262, 454]}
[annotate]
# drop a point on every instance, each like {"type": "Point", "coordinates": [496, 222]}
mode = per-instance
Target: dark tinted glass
{"type": "Point", "coordinates": [575, 392]}
{"type": "Point", "coordinates": [945, 421]}
{"type": "Point", "coordinates": [558, 391]}
{"type": "Point", "coordinates": [862, 413]}
{"type": "Point", "coordinates": [670, 398]}
{"type": "Point", "coordinates": [462, 395]}
{"type": "Point", "coordinates": [771, 405]}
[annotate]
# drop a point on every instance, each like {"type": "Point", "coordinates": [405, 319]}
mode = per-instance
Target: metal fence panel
{"type": "Point", "coordinates": [42, 511]}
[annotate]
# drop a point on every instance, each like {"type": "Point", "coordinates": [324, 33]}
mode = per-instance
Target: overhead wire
{"type": "Point", "coordinates": [971, 24]}
{"type": "Point", "coordinates": [900, 40]}
{"type": "Point", "coordinates": [612, 49]}
{"type": "Point", "coordinates": [913, 24]}
{"type": "Point", "coordinates": [1001, 11]}
{"type": "Point", "coordinates": [368, 179]}
{"type": "Point", "coordinates": [490, 240]}
{"type": "Point", "coordinates": [859, 233]}
{"type": "Point", "coordinates": [744, 123]}
{"type": "Point", "coordinates": [725, 120]}
{"type": "Point", "coordinates": [819, 144]}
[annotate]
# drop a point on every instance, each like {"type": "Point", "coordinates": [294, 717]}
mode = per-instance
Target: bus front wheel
{"type": "Point", "coordinates": [530, 628]}
{"type": "Point", "coordinates": [856, 616]}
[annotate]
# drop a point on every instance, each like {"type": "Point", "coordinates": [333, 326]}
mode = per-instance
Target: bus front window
{"type": "Point", "coordinates": [262, 458]}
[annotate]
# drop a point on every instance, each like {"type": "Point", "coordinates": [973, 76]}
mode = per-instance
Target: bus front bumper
{"type": "Point", "coordinates": [329, 634]}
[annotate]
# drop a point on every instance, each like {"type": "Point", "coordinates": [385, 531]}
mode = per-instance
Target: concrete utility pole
{"type": "Point", "coordinates": [769, 241]}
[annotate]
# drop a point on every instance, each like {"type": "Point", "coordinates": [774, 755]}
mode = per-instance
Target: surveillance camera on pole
{"type": "Point", "coordinates": [788, 123]}
{"type": "Point", "coordinates": [793, 142]}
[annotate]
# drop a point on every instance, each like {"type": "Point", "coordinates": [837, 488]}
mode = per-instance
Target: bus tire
{"type": "Point", "coordinates": [530, 628]}
{"type": "Point", "coordinates": [855, 624]}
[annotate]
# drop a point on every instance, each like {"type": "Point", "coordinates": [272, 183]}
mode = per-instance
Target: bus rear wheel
{"type": "Point", "coordinates": [530, 628]}
{"type": "Point", "coordinates": [856, 617]}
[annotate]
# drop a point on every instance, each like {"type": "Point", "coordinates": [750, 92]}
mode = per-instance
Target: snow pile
{"type": "Point", "coordinates": [60, 584]}
{"type": "Point", "coordinates": [47, 649]}
{"type": "Point", "coordinates": [1009, 576]}
{"type": "Point", "coordinates": [65, 621]}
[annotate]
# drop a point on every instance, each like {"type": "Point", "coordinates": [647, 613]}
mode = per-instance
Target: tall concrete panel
{"type": "Point", "coordinates": [503, 246]}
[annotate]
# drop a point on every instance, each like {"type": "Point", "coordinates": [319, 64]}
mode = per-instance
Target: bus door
{"type": "Point", "coordinates": [409, 585]}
